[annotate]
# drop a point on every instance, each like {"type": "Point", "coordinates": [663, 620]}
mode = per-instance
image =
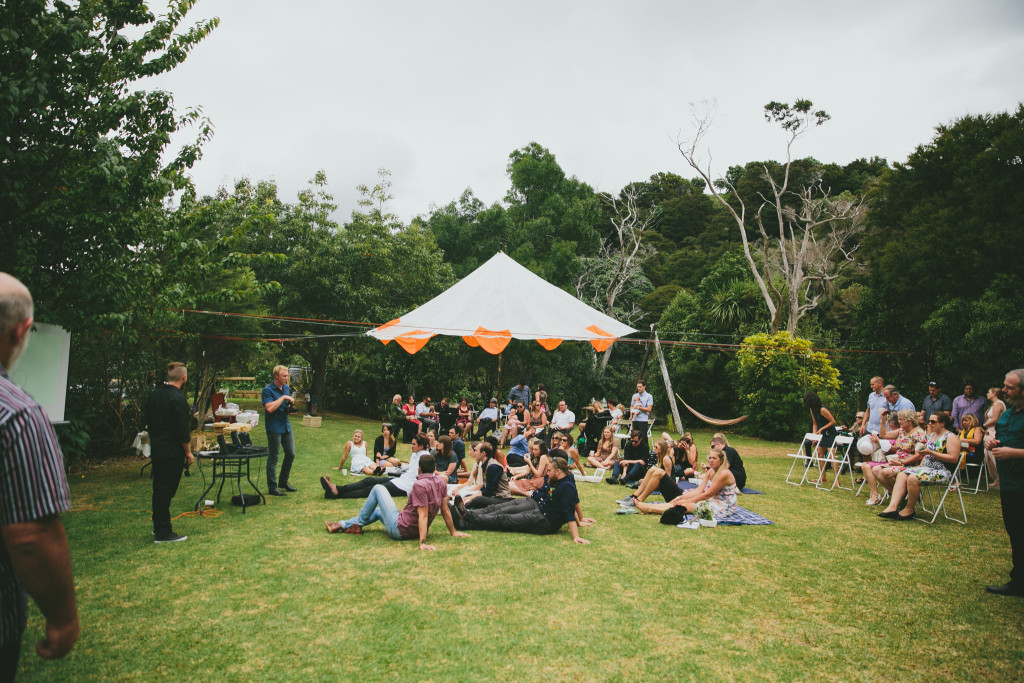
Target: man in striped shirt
{"type": "Point", "coordinates": [34, 556]}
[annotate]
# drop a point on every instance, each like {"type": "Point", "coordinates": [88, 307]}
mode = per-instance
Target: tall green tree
{"type": "Point", "coordinates": [945, 227]}
{"type": "Point", "coordinates": [84, 158]}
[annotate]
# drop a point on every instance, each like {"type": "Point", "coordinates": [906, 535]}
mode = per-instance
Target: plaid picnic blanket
{"type": "Point", "coordinates": [686, 486]}
{"type": "Point", "coordinates": [740, 517]}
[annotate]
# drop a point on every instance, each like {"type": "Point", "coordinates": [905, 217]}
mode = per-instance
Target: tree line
{"type": "Point", "coordinates": [905, 269]}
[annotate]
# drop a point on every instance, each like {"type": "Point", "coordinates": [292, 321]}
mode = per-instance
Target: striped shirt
{"type": "Point", "coordinates": [32, 486]}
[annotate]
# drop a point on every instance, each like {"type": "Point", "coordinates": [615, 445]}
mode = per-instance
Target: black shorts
{"type": "Point", "coordinates": [668, 488]}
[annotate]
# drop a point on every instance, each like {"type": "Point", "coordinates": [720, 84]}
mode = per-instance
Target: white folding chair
{"type": "Point", "coordinates": [594, 478]}
{"type": "Point", "coordinates": [981, 466]}
{"type": "Point", "coordinates": [803, 458]}
{"type": "Point", "coordinates": [624, 428]}
{"type": "Point", "coordinates": [952, 486]}
{"type": "Point", "coordinates": [838, 455]}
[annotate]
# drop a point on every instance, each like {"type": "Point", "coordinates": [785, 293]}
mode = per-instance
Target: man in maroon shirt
{"type": "Point", "coordinates": [429, 495]}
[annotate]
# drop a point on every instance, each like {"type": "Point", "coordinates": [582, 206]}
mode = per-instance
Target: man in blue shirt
{"type": "Point", "coordinates": [640, 407]}
{"type": "Point", "coordinates": [277, 401]}
{"type": "Point", "coordinates": [896, 402]}
{"type": "Point", "coordinates": [936, 401]}
{"type": "Point", "coordinates": [877, 404]}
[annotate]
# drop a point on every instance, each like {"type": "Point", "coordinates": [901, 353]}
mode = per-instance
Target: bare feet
{"type": "Point", "coordinates": [332, 527]}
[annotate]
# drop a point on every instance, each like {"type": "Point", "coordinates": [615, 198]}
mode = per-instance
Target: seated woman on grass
{"type": "Point", "coordinates": [941, 457]}
{"type": "Point", "coordinates": [356, 449]}
{"type": "Point", "coordinates": [717, 487]}
{"type": "Point", "coordinates": [537, 463]}
{"type": "Point", "coordinates": [464, 422]}
{"type": "Point", "coordinates": [385, 449]}
{"type": "Point", "coordinates": [607, 452]}
{"type": "Point", "coordinates": [681, 461]}
{"type": "Point", "coordinates": [571, 454]}
{"type": "Point", "coordinates": [902, 454]}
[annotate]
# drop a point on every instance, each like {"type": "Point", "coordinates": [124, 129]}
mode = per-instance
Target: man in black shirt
{"type": "Point", "coordinates": [734, 460]}
{"type": "Point", "coordinates": [634, 460]}
{"type": "Point", "coordinates": [167, 416]}
{"type": "Point", "coordinates": [554, 505]}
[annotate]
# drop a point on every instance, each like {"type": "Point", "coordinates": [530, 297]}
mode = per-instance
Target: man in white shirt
{"type": "Point", "coordinates": [426, 414]}
{"type": "Point", "coordinates": [562, 420]}
{"type": "Point", "coordinates": [640, 407]}
{"type": "Point", "coordinates": [487, 420]}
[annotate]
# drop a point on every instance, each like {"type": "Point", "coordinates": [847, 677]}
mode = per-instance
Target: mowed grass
{"type": "Point", "coordinates": [828, 592]}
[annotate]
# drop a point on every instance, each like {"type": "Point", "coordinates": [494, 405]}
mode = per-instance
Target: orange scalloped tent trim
{"type": "Point", "coordinates": [549, 344]}
{"type": "Point", "coordinates": [492, 341]}
{"type": "Point", "coordinates": [601, 345]}
{"type": "Point", "coordinates": [412, 343]}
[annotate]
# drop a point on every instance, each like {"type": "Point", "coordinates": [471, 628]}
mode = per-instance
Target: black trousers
{"type": "Point", "coordinates": [361, 488]}
{"type": "Point", "coordinates": [484, 501]}
{"type": "Point", "coordinates": [10, 651]}
{"type": "Point", "coordinates": [485, 428]}
{"type": "Point", "coordinates": [1013, 519]}
{"type": "Point", "coordinates": [166, 477]}
{"type": "Point", "coordinates": [521, 515]}
{"type": "Point", "coordinates": [668, 488]}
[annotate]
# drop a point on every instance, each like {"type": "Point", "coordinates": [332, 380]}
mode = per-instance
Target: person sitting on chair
{"type": "Point", "coordinates": [941, 457]}
{"type": "Point", "coordinates": [396, 415]}
{"type": "Point", "coordinates": [429, 495]}
{"type": "Point", "coordinates": [717, 486]}
{"type": "Point", "coordinates": [487, 420]}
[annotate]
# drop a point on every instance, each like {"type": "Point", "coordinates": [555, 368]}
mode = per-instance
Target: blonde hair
{"type": "Point", "coordinates": [175, 371]}
{"type": "Point", "coordinates": [971, 419]}
{"type": "Point", "coordinates": [721, 437]}
{"type": "Point", "coordinates": [908, 415]}
{"type": "Point", "coordinates": [278, 368]}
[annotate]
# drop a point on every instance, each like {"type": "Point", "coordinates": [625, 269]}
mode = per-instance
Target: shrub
{"type": "Point", "coordinates": [772, 373]}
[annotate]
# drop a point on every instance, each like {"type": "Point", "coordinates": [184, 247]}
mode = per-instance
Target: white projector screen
{"type": "Point", "coordinates": [42, 370]}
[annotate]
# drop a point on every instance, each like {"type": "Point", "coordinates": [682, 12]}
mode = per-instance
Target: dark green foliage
{"type": "Point", "coordinates": [945, 223]}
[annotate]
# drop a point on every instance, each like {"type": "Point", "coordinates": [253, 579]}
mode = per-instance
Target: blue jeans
{"type": "Point", "coordinates": [634, 473]}
{"type": "Point", "coordinates": [379, 507]}
{"type": "Point", "coordinates": [274, 442]}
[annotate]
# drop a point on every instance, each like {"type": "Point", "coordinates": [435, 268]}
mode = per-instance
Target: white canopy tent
{"type": "Point", "coordinates": [497, 302]}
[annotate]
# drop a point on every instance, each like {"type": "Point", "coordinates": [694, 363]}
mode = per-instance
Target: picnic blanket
{"type": "Point", "coordinates": [687, 486]}
{"type": "Point", "coordinates": [740, 517]}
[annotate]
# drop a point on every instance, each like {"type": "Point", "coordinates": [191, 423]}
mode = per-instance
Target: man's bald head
{"type": "Point", "coordinates": [15, 303]}
{"type": "Point", "coordinates": [15, 318]}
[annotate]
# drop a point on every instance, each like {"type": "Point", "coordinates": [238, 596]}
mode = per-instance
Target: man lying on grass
{"type": "Point", "coordinates": [545, 511]}
{"type": "Point", "coordinates": [429, 495]}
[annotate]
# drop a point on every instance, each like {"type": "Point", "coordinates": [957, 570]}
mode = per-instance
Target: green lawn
{"type": "Point", "coordinates": [830, 591]}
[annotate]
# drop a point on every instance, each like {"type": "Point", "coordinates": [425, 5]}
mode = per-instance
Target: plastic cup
{"type": "Point", "coordinates": [344, 473]}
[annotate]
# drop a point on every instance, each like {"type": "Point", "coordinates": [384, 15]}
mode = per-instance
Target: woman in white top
{"type": "Point", "coordinates": [356, 450]}
{"type": "Point", "coordinates": [995, 394]}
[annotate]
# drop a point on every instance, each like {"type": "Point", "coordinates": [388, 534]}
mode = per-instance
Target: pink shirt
{"type": "Point", "coordinates": [429, 490]}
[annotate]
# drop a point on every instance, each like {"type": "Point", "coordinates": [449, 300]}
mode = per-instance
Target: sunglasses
{"type": "Point", "coordinates": [933, 422]}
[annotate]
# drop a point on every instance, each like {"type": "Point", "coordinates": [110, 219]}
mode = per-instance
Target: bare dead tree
{"type": "Point", "coordinates": [620, 260]}
{"type": "Point", "coordinates": [803, 247]}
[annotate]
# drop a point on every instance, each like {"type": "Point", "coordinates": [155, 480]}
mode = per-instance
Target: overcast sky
{"type": "Point", "coordinates": [440, 93]}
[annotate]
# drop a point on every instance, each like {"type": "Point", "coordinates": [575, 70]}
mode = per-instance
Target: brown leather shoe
{"type": "Point", "coordinates": [354, 529]}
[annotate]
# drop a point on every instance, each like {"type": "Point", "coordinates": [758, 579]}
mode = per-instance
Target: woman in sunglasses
{"type": "Point", "coordinates": [941, 457]}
